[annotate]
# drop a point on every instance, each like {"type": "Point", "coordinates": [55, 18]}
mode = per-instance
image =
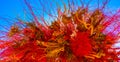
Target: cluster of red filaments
{"type": "Point", "coordinates": [81, 36]}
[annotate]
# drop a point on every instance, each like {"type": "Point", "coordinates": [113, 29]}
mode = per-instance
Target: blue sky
{"type": "Point", "coordinates": [16, 8]}
{"type": "Point", "coordinates": [10, 8]}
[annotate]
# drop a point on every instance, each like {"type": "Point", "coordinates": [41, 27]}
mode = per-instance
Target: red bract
{"type": "Point", "coordinates": [80, 44]}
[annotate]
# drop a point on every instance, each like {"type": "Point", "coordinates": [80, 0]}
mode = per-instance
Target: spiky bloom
{"type": "Point", "coordinates": [76, 36]}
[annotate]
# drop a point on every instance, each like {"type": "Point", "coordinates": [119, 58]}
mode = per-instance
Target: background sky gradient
{"type": "Point", "coordinates": [13, 8]}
